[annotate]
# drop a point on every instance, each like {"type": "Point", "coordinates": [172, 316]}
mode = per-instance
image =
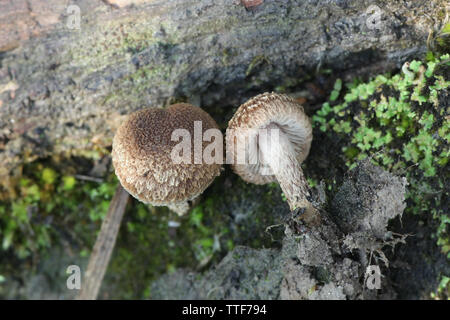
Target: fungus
{"type": "Point", "coordinates": [278, 155]}
{"type": "Point", "coordinates": [143, 161]}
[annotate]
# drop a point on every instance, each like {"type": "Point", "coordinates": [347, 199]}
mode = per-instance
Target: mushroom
{"type": "Point", "coordinates": [143, 162]}
{"type": "Point", "coordinates": [275, 134]}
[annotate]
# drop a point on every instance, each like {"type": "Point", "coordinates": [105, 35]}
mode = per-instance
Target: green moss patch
{"type": "Point", "coordinates": [402, 123]}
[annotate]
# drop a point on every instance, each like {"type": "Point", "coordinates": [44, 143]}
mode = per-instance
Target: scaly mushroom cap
{"type": "Point", "coordinates": [142, 149]}
{"type": "Point", "coordinates": [258, 113]}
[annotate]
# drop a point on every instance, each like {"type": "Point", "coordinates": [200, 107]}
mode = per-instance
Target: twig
{"type": "Point", "coordinates": [104, 245]}
{"type": "Point", "coordinates": [88, 178]}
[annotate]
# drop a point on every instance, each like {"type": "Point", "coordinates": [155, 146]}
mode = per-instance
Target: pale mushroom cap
{"type": "Point", "coordinates": [142, 160]}
{"type": "Point", "coordinates": [258, 113]}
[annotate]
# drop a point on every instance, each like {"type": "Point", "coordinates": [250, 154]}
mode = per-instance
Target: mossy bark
{"type": "Point", "coordinates": [64, 90]}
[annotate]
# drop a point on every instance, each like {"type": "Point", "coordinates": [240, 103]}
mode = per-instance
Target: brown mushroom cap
{"type": "Point", "coordinates": [142, 155]}
{"type": "Point", "coordinates": [258, 113]}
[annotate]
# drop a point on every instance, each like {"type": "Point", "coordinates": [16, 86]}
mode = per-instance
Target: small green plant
{"type": "Point", "coordinates": [44, 200]}
{"type": "Point", "coordinates": [402, 122]}
{"type": "Point", "coordinates": [204, 244]}
{"type": "Point", "coordinates": [443, 288]}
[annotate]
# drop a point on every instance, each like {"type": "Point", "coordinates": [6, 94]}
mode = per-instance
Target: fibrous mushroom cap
{"type": "Point", "coordinates": [142, 159]}
{"type": "Point", "coordinates": [258, 113]}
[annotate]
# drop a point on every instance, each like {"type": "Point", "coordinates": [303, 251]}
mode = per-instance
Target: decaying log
{"type": "Point", "coordinates": [67, 79]}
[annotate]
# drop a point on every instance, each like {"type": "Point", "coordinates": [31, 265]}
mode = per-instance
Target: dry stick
{"type": "Point", "coordinates": [104, 245]}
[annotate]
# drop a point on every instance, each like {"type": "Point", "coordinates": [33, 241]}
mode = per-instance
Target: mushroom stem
{"type": "Point", "coordinates": [180, 208]}
{"type": "Point", "coordinates": [280, 155]}
{"type": "Point", "coordinates": [104, 245]}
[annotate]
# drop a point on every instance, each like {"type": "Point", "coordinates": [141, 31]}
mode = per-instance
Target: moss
{"type": "Point", "coordinates": [117, 37]}
{"type": "Point", "coordinates": [439, 41]}
{"type": "Point", "coordinates": [401, 122]}
{"type": "Point", "coordinates": [44, 201]}
{"type": "Point", "coordinates": [444, 286]}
